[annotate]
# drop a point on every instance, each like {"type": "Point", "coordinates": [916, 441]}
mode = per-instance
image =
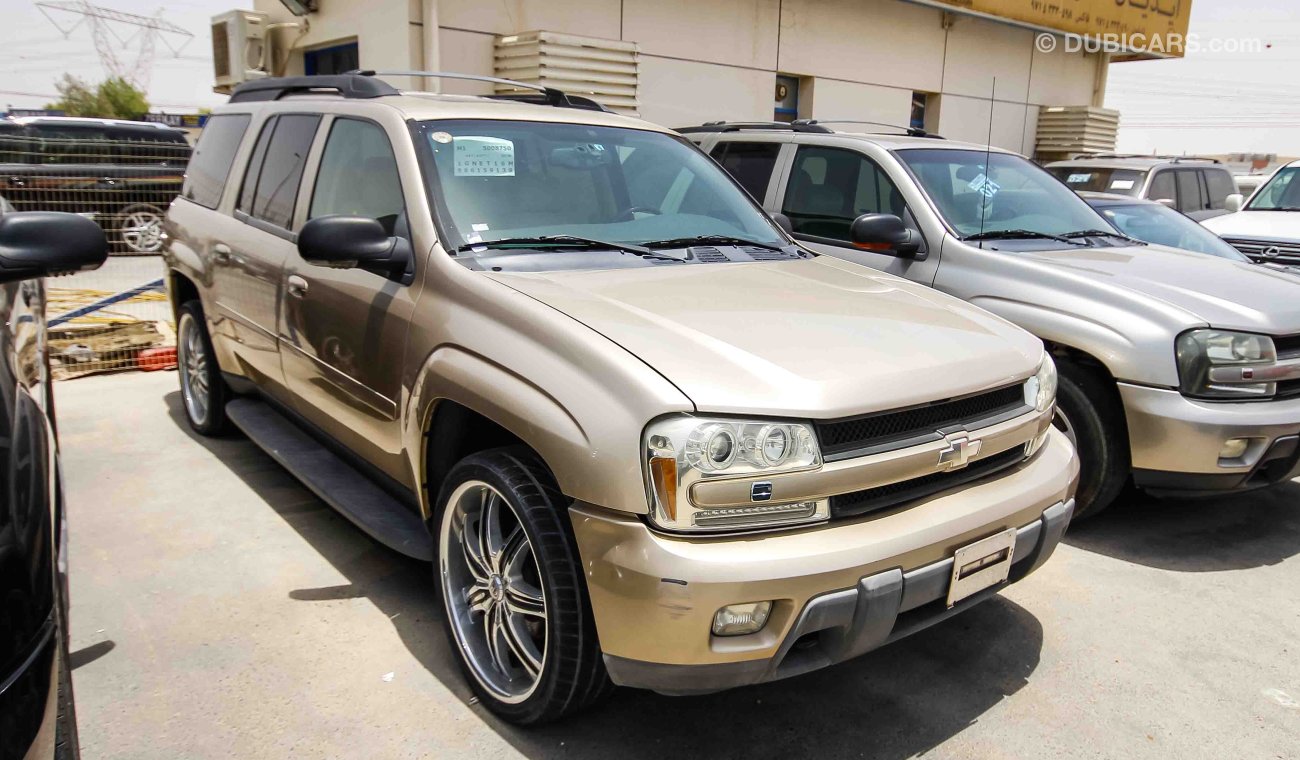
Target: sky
{"type": "Point", "coordinates": [1211, 101]}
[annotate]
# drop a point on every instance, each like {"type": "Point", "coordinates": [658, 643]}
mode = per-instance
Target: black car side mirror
{"type": "Point", "coordinates": [47, 244]}
{"type": "Point", "coordinates": [884, 233]}
{"type": "Point", "coordinates": [783, 222]}
{"type": "Point", "coordinates": [345, 242]}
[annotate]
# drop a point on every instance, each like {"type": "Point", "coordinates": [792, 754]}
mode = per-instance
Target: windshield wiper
{"type": "Point", "coordinates": [686, 242]}
{"type": "Point", "coordinates": [1101, 233]}
{"type": "Point", "coordinates": [1019, 235]}
{"type": "Point", "coordinates": [568, 241]}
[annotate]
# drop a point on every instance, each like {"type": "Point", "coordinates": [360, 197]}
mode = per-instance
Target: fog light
{"type": "Point", "coordinates": [1234, 448]}
{"type": "Point", "coordinates": [741, 619]}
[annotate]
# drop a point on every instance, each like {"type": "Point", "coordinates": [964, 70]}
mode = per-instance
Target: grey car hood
{"type": "Point", "coordinates": [816, 338]}
{"type": "Point", "coordinates": [1230, 295]}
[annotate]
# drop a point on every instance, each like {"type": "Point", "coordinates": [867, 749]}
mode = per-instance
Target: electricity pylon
{"type": "Point", "coordinates": [114, 32]}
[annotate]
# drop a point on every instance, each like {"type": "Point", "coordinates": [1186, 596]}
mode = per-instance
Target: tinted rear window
{"type": "Point", "coordinates": [750, 163]}
{"type": "Point", "coordinates": [1089, 179]}
{"type": "Point", "coordinates": [214, 154]}
{"type": "Point", "coordinates": [281, 170]}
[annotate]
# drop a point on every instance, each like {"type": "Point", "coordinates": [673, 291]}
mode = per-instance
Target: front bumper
{"type": "Point", "coordinates": [839, 590]}
{"type": "Point", "coordinates": [1175, 441]}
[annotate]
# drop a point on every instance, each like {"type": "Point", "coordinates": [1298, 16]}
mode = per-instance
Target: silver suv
{"type": "Point", "coordinates": [1178, 370]}
{"type": "Point", "coordinates": [1201, 188]}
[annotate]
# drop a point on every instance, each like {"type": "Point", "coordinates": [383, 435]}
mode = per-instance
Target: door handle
{"type": "Point", "coordinates": [297, 286]}
{"type": "Point", "coordinates": [221, 252]}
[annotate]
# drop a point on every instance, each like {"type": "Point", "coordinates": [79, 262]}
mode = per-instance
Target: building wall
{"type": "Point", "coordinates": [700, 61]}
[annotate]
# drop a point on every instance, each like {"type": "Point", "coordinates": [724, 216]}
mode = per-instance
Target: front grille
{"type": "Point", "coordinates": [837, 437]}
{"type": "Point", "coordinates": [896, 494]}
{"type": "Point", "coordinates": [1282, 253]}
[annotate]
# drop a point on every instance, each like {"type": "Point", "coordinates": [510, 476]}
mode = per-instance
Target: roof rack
{"type": "Point", "coordinates": [1147, 156]}
{"type": "Point", "coordinates": [909, 131]}
{"type": "Point", "coordinates": [736, 126]}
{"type": "Point", "coordinates": [365, 83]}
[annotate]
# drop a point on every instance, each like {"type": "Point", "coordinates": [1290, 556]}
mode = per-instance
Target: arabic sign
{"type": "Point", "coordinates": [181, 120]}
{"type": "Point", "coordinates": [1144, 19]}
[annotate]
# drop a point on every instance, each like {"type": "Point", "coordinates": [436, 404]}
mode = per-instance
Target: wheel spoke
{"type": "Point", "coordinates": [469, 545]}
{"type": "Point", "coordinates": [490, 529]}
{"type": "Point", "coordinates": [523, 598]}
{"type": "Point", "coordinates": [478, 597]}
{"type": "Point", "coordinates": [521, 643]}
{"type": "Point", "coordinates": [498, 648]}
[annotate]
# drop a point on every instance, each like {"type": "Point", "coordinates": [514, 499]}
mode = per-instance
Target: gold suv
{"type": "Point", "coordinates": [646, 438]}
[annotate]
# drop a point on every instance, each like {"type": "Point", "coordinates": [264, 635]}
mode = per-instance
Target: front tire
{"type": "Point", "coordinates": [1089, 413]}
{"type": "Point", "coordinates": [203, 391]}
{"type": "Point", "coordinates": [513, 592]}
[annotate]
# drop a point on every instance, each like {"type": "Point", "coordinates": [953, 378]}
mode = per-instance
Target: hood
{"type": "Point", "coordinates": [1281, 226]}
{"type": "Point", "coordinates": [816, 338]}
{"type": "Point", "coordinates": [1231, 295]}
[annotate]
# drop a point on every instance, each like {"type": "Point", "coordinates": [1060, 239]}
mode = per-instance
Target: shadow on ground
{"type": "Point", "coordinates": [896, 702]}
{"type": "Point", "coordinates": [1235, 532]}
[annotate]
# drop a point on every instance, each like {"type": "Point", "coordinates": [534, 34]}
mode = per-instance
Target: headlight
{"type": "Point", "coordinates": [681, 451]}
{"type": "Point", "coordinates": [1040, 390]}
{"type": "Point", "coordinates": [1216, 364]}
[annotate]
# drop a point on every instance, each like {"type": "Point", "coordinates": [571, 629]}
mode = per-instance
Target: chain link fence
{"type": "Point", "coordinates": [123, 176]}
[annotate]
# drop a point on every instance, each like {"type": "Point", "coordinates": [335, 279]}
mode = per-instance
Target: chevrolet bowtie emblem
{"type": "Point", "coordinates": [960, 450]}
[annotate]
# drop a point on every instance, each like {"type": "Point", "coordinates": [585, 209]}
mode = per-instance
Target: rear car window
{"type": "Point", "coordinates": [276, 187]}
{"type": "Point", "coordinates": [206, 177]}
{"type": "Point", "coordinates": [1221, 185]}
{"type": "Point", "coordinates": [1095, 180]}
{"type": "Point", "coordinates": [750, 163]}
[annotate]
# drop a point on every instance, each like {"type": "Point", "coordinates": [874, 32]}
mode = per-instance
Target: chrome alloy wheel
{"type": "Point", "coordinates": [193, 362]}
{"type": "Point", "coordinates": [1062, 422]}
{"type": "Point", "coordinates": [493, 591]}
{"type": "Point", "coordinates": [141, 231]}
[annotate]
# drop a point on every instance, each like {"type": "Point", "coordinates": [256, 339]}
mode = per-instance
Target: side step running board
{"type": "Point", "coordinates": [333, 479]}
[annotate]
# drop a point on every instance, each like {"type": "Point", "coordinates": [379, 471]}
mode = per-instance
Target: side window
{"type": "Point", "coordinates": [358, 175]}
{"type": "Point", "coordinates": [830, 187]}
{"type": "Point", "coordinates": [246, 192]}
{"type": "Point", "coordinates": [1162, 187]}
{"type": "Point", "coordinates": [205, 178]}
{"type": "Point", "coordinates": [278, 178]}
{"type": "Point", "coordinates": [1189, 190]}
{"type": "Point", "coordinates": [750, 163]}
{"type": "Point", "coordinates": [1221, 185]}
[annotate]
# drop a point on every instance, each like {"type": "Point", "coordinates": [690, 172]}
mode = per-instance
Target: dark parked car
{"type": "Point", "coordinates": [37, 714]}
{"type": "Point", "coordinates": [122, 174]}
{"type": "Point", "coordinates": [1153, 222]}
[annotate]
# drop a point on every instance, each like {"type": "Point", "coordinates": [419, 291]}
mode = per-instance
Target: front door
{"type": "Point", "coordinates": [344, 330]}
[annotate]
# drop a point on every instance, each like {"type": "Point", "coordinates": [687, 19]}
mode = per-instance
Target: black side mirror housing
{"type": "Point", "coordinates": [345, 242]}
{"type": "Point", "coordinates": [783, 222]}
{"type": "Point", "coordinates": [47, 244]}
{"type": "Point", "coordinates": [884, 233]}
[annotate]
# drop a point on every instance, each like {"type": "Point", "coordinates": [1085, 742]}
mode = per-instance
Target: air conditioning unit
{"type": "Point", "coordinates": [240, 48]}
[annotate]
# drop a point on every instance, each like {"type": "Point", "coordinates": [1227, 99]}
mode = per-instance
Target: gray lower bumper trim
{"type": "Point", "coordinates": [841, 625]}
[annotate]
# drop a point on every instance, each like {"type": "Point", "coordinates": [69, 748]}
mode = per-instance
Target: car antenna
{"type": "Point", "coordinates": [988, 170]}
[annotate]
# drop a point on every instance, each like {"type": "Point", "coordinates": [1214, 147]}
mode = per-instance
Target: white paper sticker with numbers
{"type": "Point", "coordinates": [484, 157]}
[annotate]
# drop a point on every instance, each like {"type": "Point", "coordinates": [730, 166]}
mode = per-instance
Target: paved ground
{"type": "Point", "coordinates": [220, 610]}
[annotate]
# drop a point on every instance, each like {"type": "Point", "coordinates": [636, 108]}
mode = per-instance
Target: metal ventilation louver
{"type": "Point", "coordinates": [603, 70]}
{"type": "Point", "coordinates": [1068, 131]}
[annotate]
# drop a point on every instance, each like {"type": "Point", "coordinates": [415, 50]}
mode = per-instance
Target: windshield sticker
{"type": "Point", "coordinates": [985, 186]}
{"type": "Point", "coordinates": [484, 157]}
{"type": "Point", "coordinates": [1122, 184]}
{"type": "Point", "coordinates": [479, 227]}
{"type": "Point", "coordinates": [440, 137]}
{"type": "Point", "coordinates": [1077, 179]}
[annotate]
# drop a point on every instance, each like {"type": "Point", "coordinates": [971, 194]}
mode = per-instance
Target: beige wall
{"type": "Point", "coordinates": [717, 59]}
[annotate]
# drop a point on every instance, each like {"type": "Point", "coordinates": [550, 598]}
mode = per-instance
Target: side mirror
{"type": "Point", "coordinates": [783, 222]}
{"type": "Point", "coordinates": [48, 243]}
{"type": "Point", "coordinates": [1234, 202]}
{"type": "Point", "coordinates": [884, 233]}
{"type": "Point", "coordinates": [1169, 202]}
{"type": "Point", "coordinates": [345, 242]}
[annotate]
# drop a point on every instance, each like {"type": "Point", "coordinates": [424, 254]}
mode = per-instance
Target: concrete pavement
{"type": "Point", "coordinates": [221, 610]}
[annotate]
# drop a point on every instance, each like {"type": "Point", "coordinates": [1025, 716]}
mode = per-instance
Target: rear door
{"type": "Point", "coordinates": [1193, 198]}
{"type": "Point", "coordinates": [344, 330]}
{"type": "Point", "coordinates": [248, 263]}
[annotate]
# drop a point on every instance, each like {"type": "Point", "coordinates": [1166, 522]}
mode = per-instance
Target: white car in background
{"type": "Point", "coordinates": [1267, 229]}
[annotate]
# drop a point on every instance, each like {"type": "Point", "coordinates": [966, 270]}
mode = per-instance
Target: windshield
{"type": "Point", "coordinates": [1282, 193]}
{"type": "Point", "coordinates": [498, 180]}
{"type": "Point", "coordinates": [1154, 223]}
{"type": "Point", "coordinates": [1090, 179]}
{"type": "Point", "coordinates": [980, 193]}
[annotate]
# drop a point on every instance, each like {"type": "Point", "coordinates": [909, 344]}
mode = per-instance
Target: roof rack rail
{"type": "Point", "coordinates": [1180, 159]}
{"type": "Point", "coordinates": [548, 96]}
{"type": "Point", "coordinates": [736, 126]}
{"type": "Point", "coordinates": [909, 131]}
{"type": "Point", "coordinates": [1148, 156]}
{"type": "Point", "coordinates": [350, 85]}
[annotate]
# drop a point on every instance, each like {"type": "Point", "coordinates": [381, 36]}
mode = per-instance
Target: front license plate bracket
{"type": "Point", "coordinates": [983, 564]}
